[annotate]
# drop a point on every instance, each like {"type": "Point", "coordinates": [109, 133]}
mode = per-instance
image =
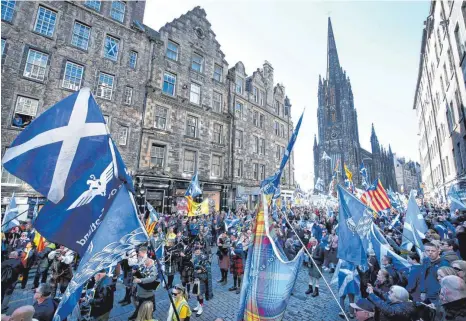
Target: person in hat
{"type": "Point", "coordinates": [102, 303]}
{"type": "Point", "coordinates": [364, 310]}
{"type": "Point", "coordinates": [223, 244]}
{"type": "Point", "coordinates": [181, 305]}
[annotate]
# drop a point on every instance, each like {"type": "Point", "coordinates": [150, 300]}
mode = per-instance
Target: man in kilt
{"type": "Point", "coordinates": [223, 244]}
{"type": "Point", "coordinates": [171, 260]}
{"type": "Point", "coordinates": [236, 263]}
{"type": "Point", "coordinates": [201, 264]}
{"type": "Point", "coordinates": [315, 266]}
{"type": "Point", "coordinates": [186, 265]}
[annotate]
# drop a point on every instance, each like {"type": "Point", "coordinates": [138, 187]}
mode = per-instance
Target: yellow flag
{"type": "Point", "coordinates": [349, 175]}
{"type": "Point", "coordinates": [196, 209]}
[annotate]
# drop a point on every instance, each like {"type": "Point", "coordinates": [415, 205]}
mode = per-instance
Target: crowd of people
{"type": "Point", "coordinates": [433, 288]}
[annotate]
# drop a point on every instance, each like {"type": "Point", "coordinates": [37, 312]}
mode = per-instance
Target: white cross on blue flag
{"type": "Point", "coordinates": [67, 155]}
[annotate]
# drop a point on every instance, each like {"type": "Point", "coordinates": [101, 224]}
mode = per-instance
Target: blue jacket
{"type": "Point", "coordinates": [429, 283]}
{"type": "Point", "coordinates": [414, 280]}
{"type": "Point", "coordinates": [317, 232]}
{"type": "Point", "coordinates": [44, 311]}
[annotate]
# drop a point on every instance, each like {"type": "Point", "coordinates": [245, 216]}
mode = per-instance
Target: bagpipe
{"type": "Point", "coordinates": [140, 272]}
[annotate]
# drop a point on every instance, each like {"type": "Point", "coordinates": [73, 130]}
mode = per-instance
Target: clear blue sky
{"type": "Point", "coordinates": [378, 45]}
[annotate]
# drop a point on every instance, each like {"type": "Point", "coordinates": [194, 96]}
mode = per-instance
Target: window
{"type": "Point", "coordinates": [191, 126]}
{"type": "Point", "coordinates": [218, 73]}
{"type": "Point", "coordinates": [169, 84]}
{"type": "Point", "coordinates": [436, 52]}
{"type": "Point", "coordinates": [123, 136]}
{"type": "Point", "coordinates": [262, 146]}
{"type": "Point", "coordinates": [81, 35]}
{"type": "Point", "coordinates": [276, 128]}
{"type": "Point", "coordinates": [278, 152]}
{"type": "Point", "coordinates": [133, 59]}
{"type": "Point", "coordinates": [239, 85]}
{"type": "Point", "coordinates": [189, 164]}
{"type": "Point", "coordinates": [447, 79]}
{"type": "Point", "coordinates": [282, 130]}
{"type": "Point", "coordinates": [262, 172]}
{"type": "Point", "coordinates": [8, 10]}
{"type": "Point", "coordinates": [255, 94]}
{"type": "Point", "coordinates": [36, 65]}
{"type": "Point", "coordinates": [105, 86]}
{"type": "Point", "coordinates": [449, 120]}
{"type": "Point", "coordinates": [287, 110]}
{"type": "Point", "coordinates": [45, 22]}
{"type": "Point", "coordinates": [439, 40]}
{"type": "Point", "coordinates": [172, 50]}
{"type": "Point", "coordinates": [195, 94]}
{"type": "Point", "coordinates": [239, 168]}
{"type": "Point", "coordinates": [161, 115]}
{"type": "Point", "coordinates": [255, 118]}
{"type": "Point", "coordinates": [197, 62]}
{"type": "Point", "coordinates": [459, 105]}
{"type": "Point", "coordinates": [216, 165]}
{"type": "Point", "coordinates": [442, 85]}
{"type": "Point", "coordinates": [261, 120]}
{"type": "Point", "coordinates": [277, 108]}
{"type": "Point", "coordinates": [118, 10]}
{"type": "Point", "coordinates": [447, 163]}
{"type": "Point", "coordinates": [239, 109]}
{"type": "Point", "coordinates": [93, 5]}
{"type": "Point", "coordinates": [450, 60]}
{"type": "Point", "coordinates": [7, 178]}
{"type": "Point", "coordinates": [3, 46]}
{"type": "Point", "coordinates": [256, 144]}
{"type": "Point", "coordinates": [452, 110]}
{"type": "Point", "coordinates": [111, 48]}
{"type": "Point", "coordinates": [25, 111]}
{"type": "Point", "coordinates": [157, 156]}
{"type": "Point", "coordinates": [73, 76]}
{"type": "Point", "coordinates": [128, 95]}
{"type": "Point", "coordinates": [255, 171]}
{"type": "Point", "coordinates": [217, 102]}
{"type": "Point", "coordinates": [261, 98]}
{"type": "Point", "coordinates": [459, 158]}
{"type": "Point", "coordinates": [218, 133]}
{"type": "Point", "coordinates": [238, 138]}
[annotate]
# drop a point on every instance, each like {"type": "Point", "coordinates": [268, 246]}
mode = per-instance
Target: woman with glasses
{"type": "Point", "coordinates": [181, 305]}
{"type": "Point", "coordinates": [445, 271]}
{"type": "Point", "coordinates": [460, 268]}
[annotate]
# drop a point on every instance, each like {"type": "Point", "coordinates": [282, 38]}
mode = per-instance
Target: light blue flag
{"type": "Point", "coordinates": [154, 216]}
{"type": "Point", "coordinates": [194, 189]}
{"type": "Point", "coordinates": [395, 223]}
{"type": "Point", "coordinates": [68, 156]}
{"type": "Point", "coordinates": [415, 227]}
{"type": "Point", "coordinates": [456, 202]}
{"type": "Point", "coordinates": [354, 226]}
{"type": "Point", "coordinates": [270, 184]}
{"type": "Point", "coordinates": [347, 277]}
{"type": "Point", "coordinates": [382, 248]}
{"type": "Point", "coordinates": [10, 220]}
{"type": "Point", "coordinates": [36, 211]}
{"type": "Point", "coordinates": [119, 232]}
{"type": "Point", "coordinates": [364, 176]}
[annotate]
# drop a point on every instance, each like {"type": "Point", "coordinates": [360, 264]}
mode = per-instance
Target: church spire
{"type": "Point", "coordinates": [333, 64]}
{"type": "Point", "coordinates": [315, 142]}
{"type": "Point", "coordinates": [374, 141]}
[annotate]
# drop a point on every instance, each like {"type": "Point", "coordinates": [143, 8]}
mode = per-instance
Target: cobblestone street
{"type": "Point", "coordinates": [301, 307]}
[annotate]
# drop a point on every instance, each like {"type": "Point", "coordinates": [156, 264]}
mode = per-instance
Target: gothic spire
{"type": "Point", "coordinates": [333, 64]}
{"type": "Point", "coordinates": [315, 141]}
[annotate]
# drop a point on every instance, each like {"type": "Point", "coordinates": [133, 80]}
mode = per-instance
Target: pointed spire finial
{"type": "Point", "coordinates": [333, 64]}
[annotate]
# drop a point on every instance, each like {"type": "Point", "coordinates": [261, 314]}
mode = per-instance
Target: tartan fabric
{"type": "Point", "coordinates": [236, 265]}
{"type": "Point", "coordinates": [269, 277]}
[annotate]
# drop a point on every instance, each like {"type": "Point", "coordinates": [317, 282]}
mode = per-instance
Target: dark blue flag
{"type": "Point", "coordinates": [119, 232]}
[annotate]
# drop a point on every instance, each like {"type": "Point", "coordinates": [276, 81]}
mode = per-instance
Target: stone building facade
{"type": "Point", "coordinates": [407, 175]}
{"type": "Point", "coordinates": [338, 134]}
{"type": "Point", "coordinates": [52, 48]}
{"type": "Point", "coordinates": [440, 99]}
{"type": "Point", "coordinates": [201, 116]}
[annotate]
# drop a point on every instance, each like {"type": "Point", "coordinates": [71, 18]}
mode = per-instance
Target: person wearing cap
{"type": "Point", "coordinates": [102, 302]}
{"type": "Point", "coordinates": [363, 310]}
{"type": "Point", "coordinates": [181, 305]}
{"type": "Point", "coordinates": [394, 307]}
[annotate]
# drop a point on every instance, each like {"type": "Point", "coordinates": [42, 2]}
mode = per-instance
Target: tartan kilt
{"type": "Point", "coordinates": [187, 273]}
{"type": "Point", "coordinates": [236, 265]}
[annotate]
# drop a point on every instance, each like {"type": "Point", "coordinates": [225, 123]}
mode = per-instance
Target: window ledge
{"type": "Point", "coordinates": [169, 96]}
{"type": "Point", "coordinates": [190, 137]}
{"type": "Point", "coordinates": [172, 60]}
{"type": "Point", "coordinates": [80, 49]}
{"type": "Point", "coordinates": [103, 98]}
{"type": "Point", "coordinates": [43, 82]}
{"type": "Point", "coordinates": [162, 131]}
{"type": "Point", "coordinates": [109, 59]}
{"type": "Point", "coordinates": [42, 35]}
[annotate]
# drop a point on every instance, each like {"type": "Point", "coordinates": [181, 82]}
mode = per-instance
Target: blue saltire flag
{"type": "Point", "coordinates": [270, 184]}
{"type": "Point", "coordinates": [194, 189]}
{"type": "Point", "coordinates": [355, 221]}
{"type": "Point", "coordinates": [231, 223]}
{"type": "Point", "coordinates": [119, 232]}
{"type": "Point", "coordinates": [36, 211]}
{"type": "Point", "coordinates": [382, 248]}
{"type": "Point", "coordinates": [395, 222]}
{"type": "Point", "coordinates": [347, 277]}
{"type": "Point", "coordinates": [153, 215]}
{"type": "Point", "coordinates": [10, 220]}
{"type": "Point", "coordinates": [68, 156]}
{"type": "Point", "coordinates": [268, 276]}
{"type": "Point", "coordinates": [455, 200]}
{"type": "Point", "coordinates": [414, 228]}
{"type": "Point", "coordinates": [364, 176]}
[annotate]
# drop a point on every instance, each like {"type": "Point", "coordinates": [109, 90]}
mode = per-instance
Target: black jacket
{"type": "Point", "coordinates": [103, 297]}
{"type": "Point", "coordinates": [455, 310]}
{"type": "Point", "coordinates": [389, 311]}
{"type": "Point", "coordinates": [45, 311]}
{"type": "Point", "coordinates": [11, 269]}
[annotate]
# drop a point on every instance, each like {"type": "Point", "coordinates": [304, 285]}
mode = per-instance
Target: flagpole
{"type": "Point", "coordinates": [313, 262]}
